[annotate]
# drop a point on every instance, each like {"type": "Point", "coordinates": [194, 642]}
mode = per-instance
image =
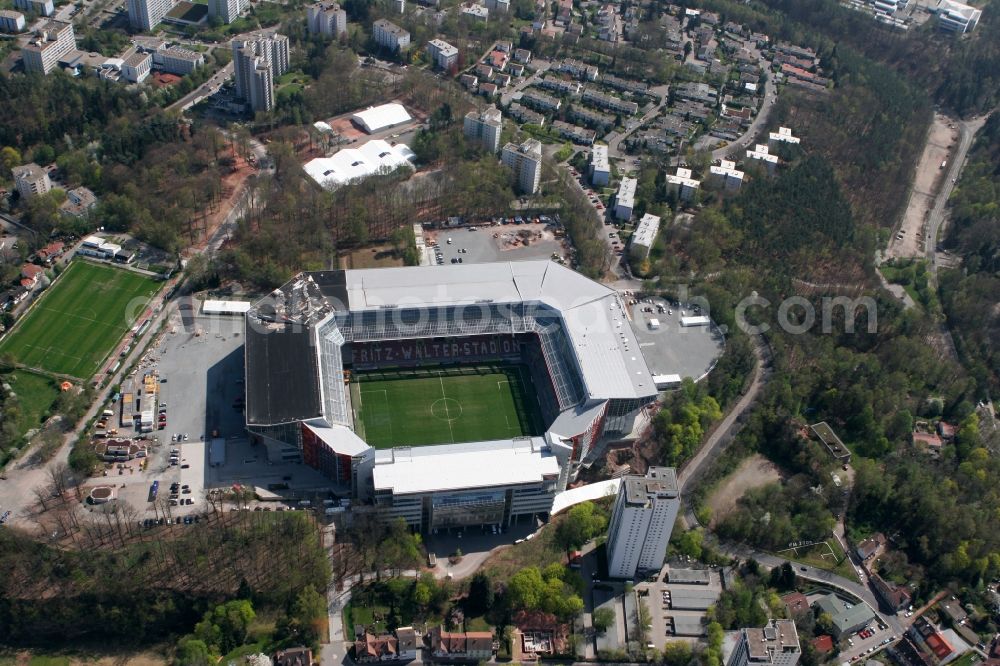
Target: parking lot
{"type": "Point", "coordinates": [668, 347]}
{"type": "Point", "coordinates": [677, 604]}
{"type": "Point", "coordinates": [496, 242]}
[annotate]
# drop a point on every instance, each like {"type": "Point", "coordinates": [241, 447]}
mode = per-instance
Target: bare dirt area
{"type": "Point", "coordinates": [754, 472]}
{"type": "Point", "coordinates": [908, 241]}
{"type": "Point", "coordinates": [76, 659]}
{"type": "Point", "coordinates": [378, 256]}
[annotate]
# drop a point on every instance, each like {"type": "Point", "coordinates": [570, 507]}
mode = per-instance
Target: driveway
{"type": "Point", "coordinates": [770, 95]}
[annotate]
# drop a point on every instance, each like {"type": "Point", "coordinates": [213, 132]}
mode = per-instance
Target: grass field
{"type": "Point", "coordinates": [437, 406]}
{"type": "Point", "coordinates": [35, 395]}
{"type": "Point", "coordinates": [78, 321]}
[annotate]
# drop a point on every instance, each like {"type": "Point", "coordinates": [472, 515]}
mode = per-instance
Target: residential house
{"type": "Point", "coordinates": [847, 618]}
{"type": "Point", "coordinates": [297, 656]}
{"type": "Point", "coordinates": [79, 201]}
{"type": "Point", "coordinates": [894, 597]}
{"type": "Point", "coordinates": [870, 547]}
{"type": "Point", "coordinates": [369, 648]}
{"type": "Point", "coordinates": [796, 604]}
{"type": "Point", "coordinates": [30, 274]}
{"type": "Point", "coordinates": [574, 133]}
{"type": "Point", "coordinates": [466, 646]}
{"type": "Point", "coordinates": [51, 251]}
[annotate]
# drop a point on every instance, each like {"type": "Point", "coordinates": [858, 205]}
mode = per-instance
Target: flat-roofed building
{"type": "Point", "coordinates": [641, 522]}
{"type": "Point", "coordinates": [51, 41]}
{"type": "Point", "coordinates": [783, 135]}
{"type": "Point", "coordinates": [442, 54]}
{"type": "Point", "coordinates": [257, 64]}
{"type": "Point", "coordinates": [574, 133]}
{"type": "Point", "coordinates": [226, 11]}
{"type": "Point", "coordinates": [957, 17]}
{"type": "Point", "coordinates": [484, 127]}
{"type": "Point", "coordinates": [726, 175]}
{"type": "Point", "coordinates": [137, 66]}
{"type": "Point", "coordinates": [40, 7]}
{"type": "Point", "coordinates": [558, 85]}
{"type": "Point", "coordinates": [601, 122]}
{"type": "Point", "coordinates": [578, 69]}
{"type": "Point", "coordinates": [178, 60]}
{"type": "Point", "coordinates": [540, 101]}
{"type": "Point", "coordinates": [11, 21]}
{"type": "Point", "coordinates": [147, 14]}
{"type": "Point", "coordinates": [525, 115]}
{"type": "Point", "coordinates": [326, 18]}
{"type": "Point", "coordinates": [761, 154]}
{"type": "Point", "coordinates": [526, 163]}
{"type": "Point", "coordinates": [682, 185]}
{"type": "Point", "coordinates": [381, 117]}
{"type": "Point", "coordinates": [478, 13]}
{"type": "Point", "coordinates": [625, 199]}
{"type": "Point", "coordinates": [31, 180]}
{"type": "Point", "coordinates": [645, 234]}
{"type": "Point", "coordinates": [390, 36]}
{"type": "Point", "coordinates": [609, 102]}
{"type": "Point", "coordinates": [600, 166]}
{"type": "Point", "coordinates": [777, 644]}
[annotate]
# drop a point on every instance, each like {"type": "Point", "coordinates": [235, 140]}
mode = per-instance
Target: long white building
{"type": "Point", "coordinates": [11, 21]}
{"type": "Point", "coordinates": [484, 127]}
{"type": "Point", "coordinates": [957, 17]}
{"type": "Point", "coordinates": [51, 41]}
{"type": "Point", "coordinates": [625, 199]}
{"type": "Point", "coordinates": [390, 36]}
{"type": "Point", "coordinates": [761, 154]}
{"type": "Point", "coordinates": [442, 54]}
{"type": "Point", "coordinates": [727, 175]}
{"type": "Point", "coordinates": [682, 184]}
{"type": "Point", "coordinates": [645, 234]}
{"type": "Point", "coordinates": [641, 522]}
{"type": "Point", "coordinates": [777, 644]}
{"type": "Point", "coordinates": [226, 11]}
{"type": "Point", "coordinates": [600, 166]}
{"type": "Point", "coordinates": [782, 136]}
{"type": "Point", "coordinates": [326, 18]}
{"type": "Point", "coordinates": [31, 180]}
{"type": "Point", "coordinates": [147, 14]}
{"type": "Point", "coordinates": [526, 163]}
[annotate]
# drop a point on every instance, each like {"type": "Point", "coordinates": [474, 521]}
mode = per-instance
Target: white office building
{"type": "Point", "coordinates": [600, 166]}
{"type": "Point", "coordinates": [641, 522]}
{"type": "Point", "coordinates": [484, 127]}
{"type": "Point", "coordinates": [147, 14]}
{"type": "Point", "coordinates": [777, 644]}
{"type": "Point", "coordinates": [625, 199]}
{"type": "Point", "coordinates": [390, 36]}
{"type": "Point", "coordinates": [442, 54]}
{"type": "Point", "coordinates": [51, 41]}
{"type": "Point", "coordinates": [957, 17]}
{"type": "Point", "coordinates": [526, 163]}
{"type": "Point", "coordinates": [11, 21]}
{"type": "Point", "coordinates": [40, 7]}
{"type": "Point", "coordinates": [31, 180]}
{"type": "Point", "coordinates": [327, 18]}
{"type": "Point", "coordinates": [226, 11]}
{"type": "Point", "coordinates": [137, 66]}
{"type": "Point", "coordinates": [257, 63]}
{"type": "Point", "coordinates": [682, 184]}
{"type": "Point", "coordinates": [475, 12]}
{"type": "Point", "coordinates": [761, 154]}
{"type": "Point", "coordinates": [726, 175]}
{"type": "Point", "coordinates": [783, 135]}
{"type": "Point", "coordinates": [645, 234]}
{"type": "Point", "coordinates": [178, 60]}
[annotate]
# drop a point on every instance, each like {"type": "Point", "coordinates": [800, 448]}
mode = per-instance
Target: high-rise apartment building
{"type": "Point", "coordinates": [641, 522]}
{"type": "Point", "coordinates": [257, 63]}
{"type": "Point", "coordinates": [526, 163]}
{"type": "Point", "coordinates": [50, 42]}
{"type": "Point", "coordinates": [226, 11]}
{"type": "Point", "coordinates": [484, 127]}
{"type": "Point", "coordinates": [31, 180]}
{"type": "Point", "coordinates": [442, 54]}
{"type": "Point", "coordinates": [390, 36]}
{"type": "Point", "coordinates": [777, 644]}
{"type": "Point", "coordinates": [326, 18]}
{"type": "Point", "coordinates": [147, 14]}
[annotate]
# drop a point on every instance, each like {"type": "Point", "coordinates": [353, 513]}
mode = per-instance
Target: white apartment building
{"type": "Point", "coordinates": [147, 14]}
{"type": "Point", "coordinates": [609, 102]}
{"type": "Point", "coordinates": [475, 12]}
{"type": "Point", "coordinates": [11, 21]}
{"type": "Point", "coordinates": [390, 36]}
{"type": "Point", "coordinates": [645, 234]}
{"type": "Point", "coordinates": [257, 64]}
{"type": "Point", "coordinates": [226, 11]}
{"type": "Point", "coordinates": [625, 199]}
{"type": "Point", "coordinates": [682, 184]}
{"type": "Point", "coordinates": [40, 7]}
{"type": "Point", "coordinates": [783, 135]}
{"type": "Point", "coordinates": [600, 166]}
{"type": "Point", "coordinates": [761, 154]}
{"type": "Point", "coordinates": [641, 521]}
{"type": "Point", "coordinates": [178, 60]}
{"type": "Point", "coordinates": [442, 54]}
{"type": "Point", "coordinates": [540, 101]}
{"type": "Point", "coordinates": [727, 175]}
{"type": "Point", "coordinates": [484, 128]}
{"type": "Point", "coordinates": [777, 644]}
{"type": "Point", "coordinates": [326, 18]}
{"type": "Point", "coordinates": [957, 17]}
{"type": "Point", "coordinates": [498, 6]}
{"type": "Point", "coordinates": [50, 43]}
{"type": "Point", "coordinates": [526, 163]}
{"type": "Point", "coordinates": [31, 180]}
{"type": "Point", "coordinates": [137, 66]}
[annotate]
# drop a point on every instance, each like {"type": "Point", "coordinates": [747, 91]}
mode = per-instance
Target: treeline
{"type": "Point", "coordinates": [120, 584]}
{"type": "Point", "coordinates": [970, 293]}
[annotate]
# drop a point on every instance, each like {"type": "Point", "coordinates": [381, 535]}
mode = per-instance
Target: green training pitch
{"type": "Point", "coordinates": [79, 319]}
{"type": "Point", "coordinates": [444, 406]}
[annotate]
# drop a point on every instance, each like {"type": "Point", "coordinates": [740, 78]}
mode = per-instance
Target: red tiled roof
{"type": "Point", "coordinates": [822, 644]}
{"type": "Point", "coordinates": [31, 270]}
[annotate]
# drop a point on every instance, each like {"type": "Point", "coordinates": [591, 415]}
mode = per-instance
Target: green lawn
{"type": "Point", "coordinates": [78, 321]}
{"type": "Point", "coordinates": [434, 406]}
{"type": "Point", "coordinates": [35, 395]}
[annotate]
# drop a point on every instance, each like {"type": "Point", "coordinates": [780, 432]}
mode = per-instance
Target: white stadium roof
{"type": "Point", "coordinates": [381, 117]}
{"type": "Point", "coordinates": [225, 307]}
{"type": "Point", "coordinates": [426, 469]}
{"type": "Point", "coordinates": [356, 163]}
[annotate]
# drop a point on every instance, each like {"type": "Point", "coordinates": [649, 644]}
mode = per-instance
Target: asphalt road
{"type": "Point", "coordinates": [207, 89]}
{"type": "Point", "coordinates": [770, 95]}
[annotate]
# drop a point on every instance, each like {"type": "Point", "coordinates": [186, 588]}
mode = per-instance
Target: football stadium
{"type": "Point", "coordinates": [446, 395]}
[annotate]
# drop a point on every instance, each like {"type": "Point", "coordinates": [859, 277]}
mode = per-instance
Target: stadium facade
{"type": "Point", "coordinates": [305, 339]}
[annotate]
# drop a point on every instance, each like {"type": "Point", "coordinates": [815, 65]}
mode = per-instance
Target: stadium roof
{"type": "Point", "coordinates": [340, 438]}
{"type": "Point", "coordinates": [357, 163]}
{"type": "Point", "coordinates": [225, 307]}
{"type": "Point", "coordinates": [427, 469]}
{"type": "Point", "coordinates": [381, 117]}
{"type": "Point", "coordinates": [589, 492]}
{"type": "Point", "coordinates": [604, 344]}
{"type": "Point", "coordinates": [284, 381]}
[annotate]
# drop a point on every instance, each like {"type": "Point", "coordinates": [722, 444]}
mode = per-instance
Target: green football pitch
{"type": "Point", "coordinates": [444, 406]}
{"type": "Point", "coordinates": [79, 319]}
